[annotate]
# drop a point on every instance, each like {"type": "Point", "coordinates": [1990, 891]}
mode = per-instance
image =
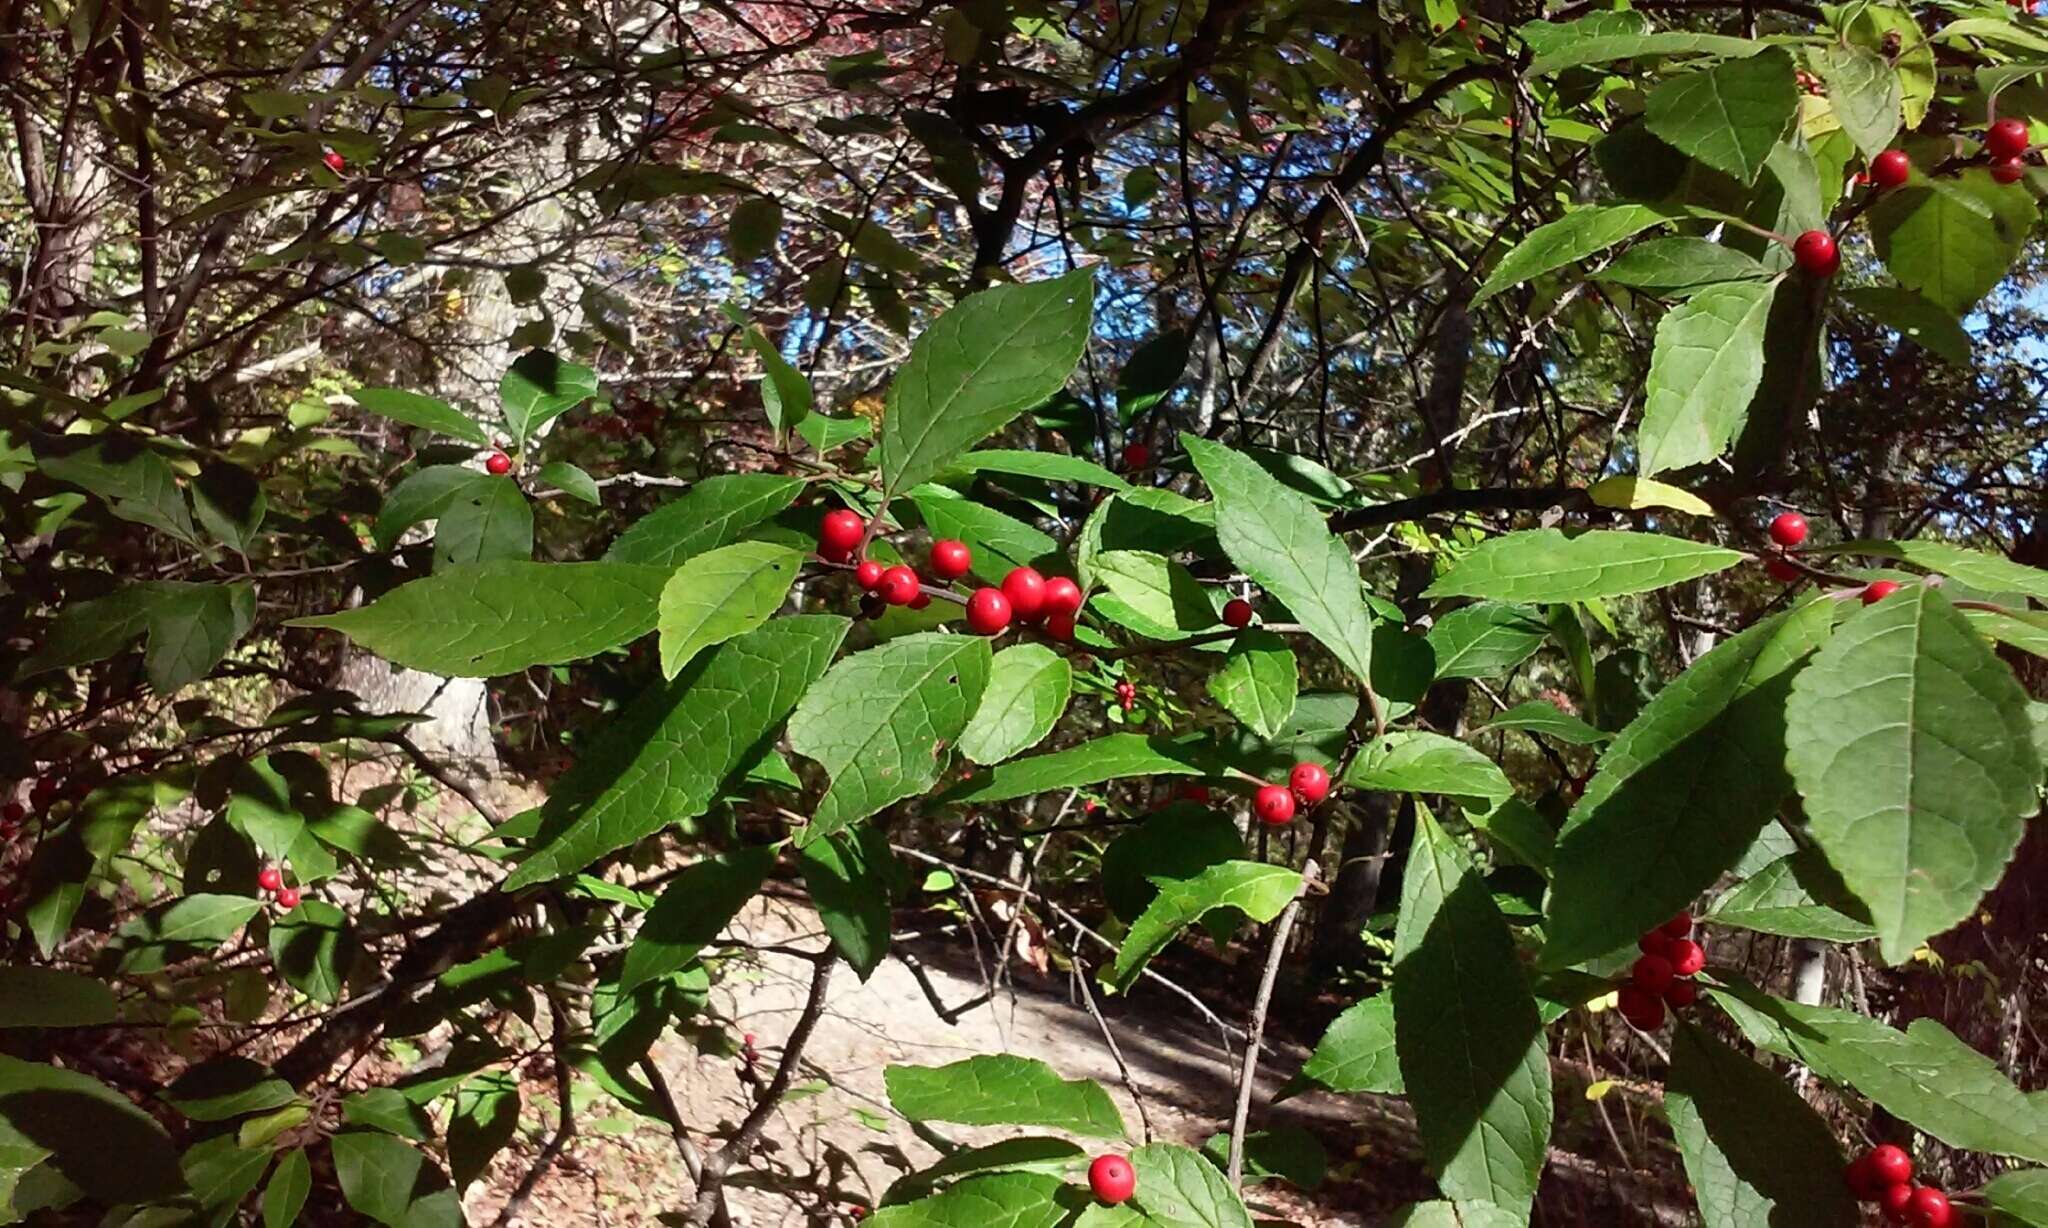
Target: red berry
{"type": "Point", "coordinates": [1894, 1200]}
{"type": "Point", "coordinates": [922, 601]}
{"type": "Point", "coordinates": [951, 559]}
{"type": "Point", "coordinates": [1237, 612]}
{"type": "Point", "coordinates": [1890, 1164]}
{"type": "Point", "coordinates": [1112, 1179]}
{"type": "Point", "coordinates": [1274, 805]}
{"type": "Point", "coordinates": [1060, 626]}
{"type": "Point", "coordinates": [1652, 974]}
{"type": "Point", "coordinates": [1788, 529]}
{"type": "Point", "coordinates": [1310, 782]}
{"type": "Point", "coordinates": [1863, 1184]}
{"type": "Point", "coordinates": [1782, 570]}
{"type": "Point", "coordinates": [1641, 1008]}
{"type": "Point", "coordinates": [1653, 942]}
{"type": "Point", "coordinates": [1062, 596]}
{"type": "Point", "coordinates": [13, 813]}
{"type": "Point", "coordinates": [869, 574]}
{"type": "Point", "coordinates": [334, 161]}
{"type": "Point", "coordinates": [1194, 793]}
{"type": "Point", "coordinates": [899, 585]}
{"type": "Point", "coordinates": [1878, 590]}
{"type": "Point", "coordinates": [988, 611]}
{"type": "Point", "coordinates": [1681, 994]}
{"type": "Point", "coordinates": [1679, 926]}
{"type": "Point", "coordinates": [1687, 956]}
{"type": "Point", "coordinates": [44, 792]}
{"type": "Point", "coordinates": [2006, 139]}
{"type": "Point", "coordinates": [1929, 1208]}
{"type": "Point", "coordinates": [1126, 694]}
{"type": "Point", "coordinates": [841, 530]}
{"type": "Point", "coordinates": [1891, 168]}
{"type": "Point", "coordinates": [288, 898]}
{"type": "Point", "coordinates": [497, 464]}
{"type": "Point", "coordinates": [1136, 456]}
{"type": "Point", "coordinates": [1816, 253]}
{"type": "Point", "coordinates": [1026, 590]}
{"type": "Point", "coordinates": [2007, 170]}
{"type": "Point", "coordinates": [270, 878]}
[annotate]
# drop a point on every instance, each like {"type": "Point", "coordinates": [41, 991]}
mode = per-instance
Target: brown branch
{"type": "Point", "coordinates": [1248, 1072]}
{"type": "Point", "coordinates": [1524, 499]}
{"type": "Point", "coordinates": [564, 1130]}
{"type": "Point", "coordinates": [743, 1140]}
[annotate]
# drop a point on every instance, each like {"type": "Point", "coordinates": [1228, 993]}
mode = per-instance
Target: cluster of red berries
{"type": "Point", "coordinates": [2007, 142]}
{"type": "Point", "coordinates": [1308, 784]}
{"type": "Point", "coordinates": [1024, 596]}
{"type": "Point", "coordinates": [1884, 1175]}
{"type": "Point", "coordinates": [1788, 529]}
{"type": "Point", "coordinates": [271, 880]}
{"type": "Point", "coordinates": [1663, 976]}
{"type": "Point", "coordinates": [1112, 1179]}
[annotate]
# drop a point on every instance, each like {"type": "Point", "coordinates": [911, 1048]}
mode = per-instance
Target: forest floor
{"type": "Point", "coordinates": [834, 1147]}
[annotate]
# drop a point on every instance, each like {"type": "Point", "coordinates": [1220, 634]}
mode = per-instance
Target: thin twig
{"type": "Point", "coordinates": [1116, 1053]}
{"type": "Point", "coordinates": [1250, 1068]}
{"type": "Point", "coordinates": [564, 1131]}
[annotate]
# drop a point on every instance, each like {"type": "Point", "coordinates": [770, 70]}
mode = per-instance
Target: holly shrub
{"type": "Point", "coordinates": [1515, 525]}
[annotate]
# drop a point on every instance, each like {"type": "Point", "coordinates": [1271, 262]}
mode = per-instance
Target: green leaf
{"type": "Point", "coordinates": [2022, 1195]}
{"type": "Point", "coordinates": [1046, 466]}
{"type": "Point", "coordinates": [422, 495]}
{"type": "Point", "coordinates": [1153, 370]}
{"type": "Point", "coordinates": [313, 947]}
{"type": "Point", "coordinates": [92, 1136]}
{"type": "Point", "coordinates": [751, 234]}
{"type": "Point", "coordinates": [999, 541]}
{"type": "Point", "coordinates": [1681, 264]}
{"type": "Point", "coordinates": [1176, 842]}
{"type": "Point", "coordinates": [1177, 1188]}
{"type": "Point", "coordinates": [260, 1132]}
{"type": "Point", "coordinates": [1730, 116]}
{"type": "Point", "coordinates": [572, 481]}
{"type": "Point", "coordinates": [1485, 639]}
{"type": "Point", "coordinates": [1955, 240]}
{"type": "Point", "coordinates": [785, 393]}
{"type": "Point", "coordinates": [1106, 758]}
{"type": "Point", "coordinates": [1776, 900]}
{"type": "Point", "coordinates": [1583, 232]}
{"type": "Point", "coordinates": [136, 484]}
{"type": "Point", "coordinates": [485, 1117]}
{"type": "Point", "coordinates": [231, 503]}
{"type": "Point", "coordinates": [1545, 565]}
{"type": "Point", "coordinates": [190, 627]}
{"type": "Point", "coordinates": [1923, 1075]}
{"type": "Point", "coordinates": [389, 1180]}
{"type": "Point", "coordinates": [220, 1172]}
{"type": "Point", "coordinates": [1755, 1152]}
{"type": "Point", "coordinates": [664, 759]}
{"type": "Point", "coordinates": [424, 412]}
{"type": "Point", "coordinates": [176, 931]}
{"type": "Point", "coordinates": [47, 998]}
{"type": "Point", "coordinates": [990, 358]}
{"type": "Point", "coordinates": [389, 1110]}
{"type": "Point", "coordinates": [285, 1196]}
{"type": "Point", "coordinates": [1973, 567]}
{"type": "Point", "coordinates": [848, 876]}
{"type": "Point", "coordinates": [486, 619]}
{"type": "Point", "coordinates": [714, 513]}
{"type": "Point", "coordinates": [720, 594]}
{"type": "Point", "coordinates": [1634, 493]}
{"type": "Point", "coordinates": [1911, 745]}
{"type": "Point", "coordinates": [1704, 369]}
{"type": "Point", "coordinates": [1033, 1154]}
{"type": "Point", "coordinates": [1439, 1213]}
{"type": "Point", "coordinates": [913, 696]}
{"type": "Point", "coordinates": [1000, 1200]}
{"type": "Point", "coordinates": [1864, 92]}
{"type": "Point", "coordinates": [539, 388]}
{"type": "Point", "coordinates": [1254, 888]}
{"type": "Point", "coordinates": [1028, 687]}
{"type": "Point", "coordinates": [693, 911]}
{"type": "Point", "coordinates": [1290, 1153]}
{"type": "Point", "coordinates": [226, 1087]}
{"type": "Point", "coordinates": [1542, 716]}
{"type": "Point", "coordinates": [486, 518]}
{"type": "Point", "coordinates": [1356, 1053]}
{"type": "Point", "coordinates": [1520, 832]}
{"type": "Point", "coordinates": [1279, 538]}
{"type": "Point", "coordinates": [1143, 519]}
{"type": "Point", "coordinates": [1627, 858]}
{"type": "Point", "coordinates": [1913, 318]}
{"type": "Point", "coordinates": [1161, 592]}
{"type": "Point", "coordinates": [1471, 1044]}
{"type": "Point", "coordinates": [1603, 48]}
{"type": "Point", "coordinates": [1417, 762]}
{"type": "Point", "coordinates": [1259, 682]}
{"type": "Point", "coordinates": [994, 1089]}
